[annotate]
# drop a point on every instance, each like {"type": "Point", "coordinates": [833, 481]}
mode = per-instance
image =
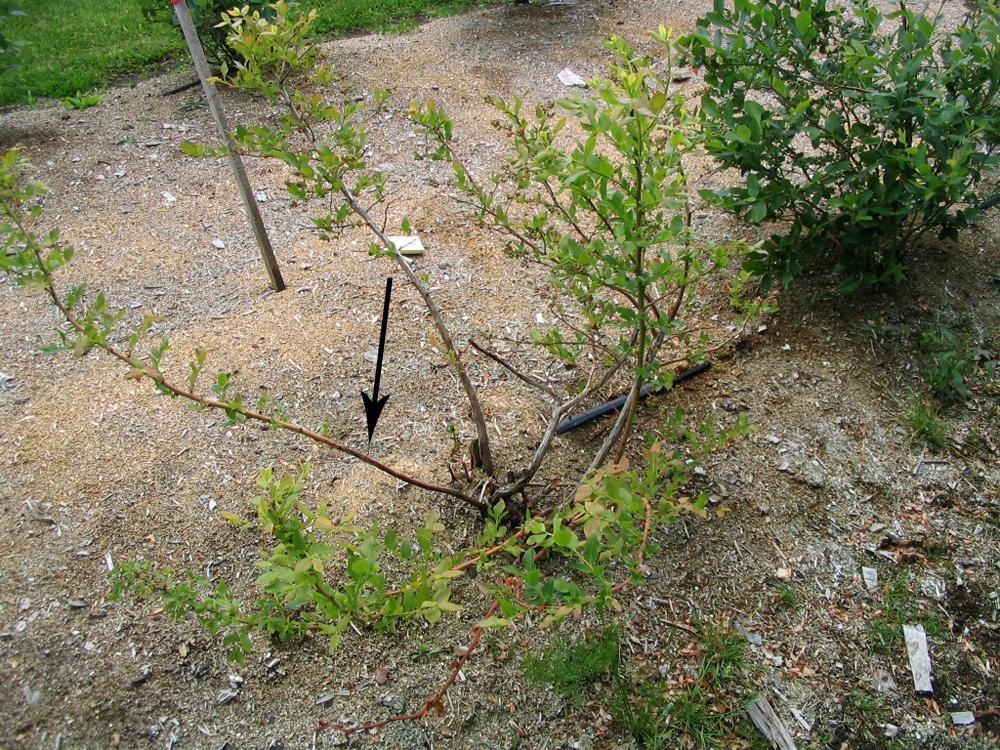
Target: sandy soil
{"type": "Point", "coordinates": [96, 468]}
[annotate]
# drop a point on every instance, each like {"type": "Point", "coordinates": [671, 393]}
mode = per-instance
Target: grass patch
{"type": "Point", "coordinates": [571, 666]}
{"type": "Point", "coordinates": [79, 46]}
{"type": "Point", "coordinates": [927, 426]}
{"type": "Point", "coordinates": [338, 17]}
{"type": "Point", "coordinates": [700, 715]}
{"type": "Point", "coordinates": [702, 712]}
{"type": "Point", "coordinates": [901, 607]}
{"type": "Point", "coordinates": [868, 705]}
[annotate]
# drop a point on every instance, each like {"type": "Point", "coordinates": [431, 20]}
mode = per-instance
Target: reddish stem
{"type": "Point", "coordinates": [435, 702]}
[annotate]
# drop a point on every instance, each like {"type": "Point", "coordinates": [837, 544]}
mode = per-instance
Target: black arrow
{"type": "Point", "coordinates": [374, 405]}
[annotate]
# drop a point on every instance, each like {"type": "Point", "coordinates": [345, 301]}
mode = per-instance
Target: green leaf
{"type": "Point", "coordinates": [563, 536]}
{"type": "Point", "coordinates": [192, 149]}
{"type": "Point", "coordinates": [803, 22]}
{"type": "Point", "coordinates": [358, 568]}
{"type": "Point", "coordinates": [493, 622]}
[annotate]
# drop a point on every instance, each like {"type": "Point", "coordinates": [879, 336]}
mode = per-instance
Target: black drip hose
{"type": "Point", "coordinates": [617, 403]}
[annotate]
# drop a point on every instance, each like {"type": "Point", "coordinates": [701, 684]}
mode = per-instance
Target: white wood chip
{"type": "Point", "coordinates": [870, 576]}
{"type": "Point", "coordinates": [920, 660]}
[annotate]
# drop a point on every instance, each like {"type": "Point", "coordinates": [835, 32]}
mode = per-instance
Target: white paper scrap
{"type": "Point", "coordinates": [569, 78]}
{"type": "Point", "coordinates": [407, 245]}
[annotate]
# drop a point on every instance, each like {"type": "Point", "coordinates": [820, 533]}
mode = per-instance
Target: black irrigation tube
{"type": "Point", "coordinates": [617, 403]}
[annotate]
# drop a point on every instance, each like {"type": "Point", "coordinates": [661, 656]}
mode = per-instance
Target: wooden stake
{"type": "Point", "coordinates": [219, 115]}
{"type": "Point", "coordinates": [762, 714]}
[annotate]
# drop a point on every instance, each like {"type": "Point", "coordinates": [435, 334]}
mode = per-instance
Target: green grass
{"type": "Point", "coordinates": [80, 45]}
{"type": "Point", "coordinates": [338, 17]}
{"type": "Point", "coordinates": [927, 426]}
{"type": "Point", "coordinates": [900, 606]}
{"type": "Point", "coordinates": [700, 715]}
{"type": "Point", "coordinates": [572, 666]}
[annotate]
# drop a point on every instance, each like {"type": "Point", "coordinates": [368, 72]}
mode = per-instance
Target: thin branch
{"type": "Point", "coordinates": [526, 475]}
{"type": "Point", "coordinates": [617, 429]}
{"type": "Point", "coordinates": [436, 701]}
{"type": "Point", "coordinates": [529, 379]}
{"type": "Point", "coordinates": [451, 350]}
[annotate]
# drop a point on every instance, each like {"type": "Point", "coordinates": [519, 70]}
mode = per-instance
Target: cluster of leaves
{"type": "Point", "coordinates": [271, 44]}
{"type": "Point", "coordinates": [952, 362]}
{"type": "Point", "coordinates": [952, 365]}
{"type": "Point", "coordinates": [82, 101]}
{"type": "Point", "coordinates": [550, 566]}
{"type": "Point", "coordinates": [862, 131]}
{"type": "Point", "coordinates": [296, 594]}
{"type": "Point", "coordinates": [206, 15]}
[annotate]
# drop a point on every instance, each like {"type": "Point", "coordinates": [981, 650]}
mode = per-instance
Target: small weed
{"type": "Point", "coordinates": [82, 101]}
{"type": "Point", "coordinates": [570, 666]}
{"type": "Point", "coordinates": [192, 104]}
{"type": "Point", "coordinates": [927, 425]}
{"type": "Point", "coordinates": [700, 715]}
{"type": "Point", "coordinates": [641, 709]}
{"type": "Point", "coordinates": [693, 714]}
{"type": "Point", "coordinates": [951, 362]}
{"type": "Point", "coordinates": [865, 703]}
{"type": "Point", "coordinates": [901, 607]}
{"type": "Point", "coordinates": [788, 597]}
{"type": "Point", "coordinates": [424, 651]}
{"type": "Point", "coordinates": [723, 655]}
{"type": "Point", "coordinates": [456, 443]}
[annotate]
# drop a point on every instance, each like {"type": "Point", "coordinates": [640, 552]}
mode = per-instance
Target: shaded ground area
{"type": "Point", "coordinates": [95, 468]}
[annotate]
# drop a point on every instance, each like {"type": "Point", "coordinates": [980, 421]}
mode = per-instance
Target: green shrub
{"type": "Point", "coordinates": [206, 15]}
{"type": "Point", "coordinates": [952, 361]}
{"type": "Point", "coordinates": [863, 132]}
